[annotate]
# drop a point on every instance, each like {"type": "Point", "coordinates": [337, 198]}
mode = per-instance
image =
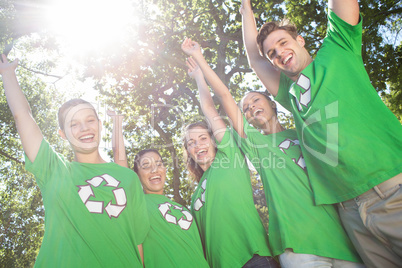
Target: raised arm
{"type": "Point", "coordinates": [207, 104]}
{"type": "Point", "coordinates": [225, 98]}
{"type": "Point", "coordinates": [119, 150]}
{"type": "Point", "coordinates": [30, 134]}
{"type": "Point", "coordinates": [268, 75]}
{"type": "Point", "coordinates": [347, 10]}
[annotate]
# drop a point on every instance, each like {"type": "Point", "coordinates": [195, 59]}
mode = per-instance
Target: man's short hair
{"type": "Point", "coordinates": [271, 26]}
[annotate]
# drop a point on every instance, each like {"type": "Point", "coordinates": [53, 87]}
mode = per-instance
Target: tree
{"type": "Point", "coordinates": [146, 79]}
{"type": "Point", "coordinates": [151, 80]}
{"type": "Point", "coordinates": [151, 85]}
{"type": "Point", "coordinates": [22, 217]}
{"type": "Point", "coordinates": [393, 98]}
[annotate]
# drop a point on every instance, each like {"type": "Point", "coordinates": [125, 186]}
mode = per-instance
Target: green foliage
{"type": "Point", "coordinates": [21, 220]}
{"type": "Point", "coordinates": [22, 216]}
{"type": "Point", "coordinates": [146, 79]}
{"type": "Point", "coordinates": [393, 98]}
{"type": "Point", "coordinates": [259, 198]}
{"type": "Point", "coordinates": [381, 56]}
{"type": "Point", "coordinates": [152, 86]}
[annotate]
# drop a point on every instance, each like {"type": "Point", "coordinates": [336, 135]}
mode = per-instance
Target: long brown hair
{"type": "Point", "coordinates": [195, 170]}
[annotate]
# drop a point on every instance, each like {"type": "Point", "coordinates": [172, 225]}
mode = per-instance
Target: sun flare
{"type": "Point", "coordinates": [91, 25]}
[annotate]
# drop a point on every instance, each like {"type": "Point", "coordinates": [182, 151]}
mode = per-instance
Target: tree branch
{"type": "Point", "coordinates": [38, 72]}
{"type": "Point", "coordinates": [176, 172]}
{"type": "Point", "coordinates": [11, 158]}
{"type": "Point", "coordinates": [238, 70]}
{"type": "Point", "coordinates": [389, 12]}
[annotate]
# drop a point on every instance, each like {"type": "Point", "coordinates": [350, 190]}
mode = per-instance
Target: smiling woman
{"type": "Point", "coordinates": [91, 25]}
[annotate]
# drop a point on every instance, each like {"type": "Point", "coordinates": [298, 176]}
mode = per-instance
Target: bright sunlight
{"type": "Point", "coordinates": [91, 25]}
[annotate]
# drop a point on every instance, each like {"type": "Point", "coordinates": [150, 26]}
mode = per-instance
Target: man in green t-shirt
{"type": "Point", "coordinates": [353, 154]}
{"type": "Point", "coordinates": [95, 211]}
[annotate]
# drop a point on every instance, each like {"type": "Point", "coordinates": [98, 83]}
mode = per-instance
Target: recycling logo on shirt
{"type": "Point", "coordinates": [304, 98]}
{"type": "Point", "coordinates": [200, 201]}
{"type": "Point", "coordinates": [184, 222]}
{"type": "Point", "coordinates": [112, 210]}
{"type": "Point", "coordinates": [286, 145]}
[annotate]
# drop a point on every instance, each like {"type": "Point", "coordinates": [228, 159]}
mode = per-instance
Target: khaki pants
{"type": "Point", "coordinates": [289, 259]}
{"type": "Point", "coordinates": [373, 222]}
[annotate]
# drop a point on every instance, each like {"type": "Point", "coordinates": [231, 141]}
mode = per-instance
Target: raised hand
{"type": "Point", "coordinates": [30, 134]}
{"type": "Point", "coordinates": [190, 47]}
{"type": "Point", "coordinates": [119, 150]}
{"type": "Point", "coordinates": [245, 5]}
{"type": "Point", "coordinates": [194, 70]}
{"type": "Point", "coordinates": [112, 113]}
{"type": "Point", "coordinates": [6, 66]}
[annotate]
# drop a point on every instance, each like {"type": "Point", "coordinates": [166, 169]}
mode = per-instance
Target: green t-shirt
{"type": "Point", "coordinates": [223, 207]}
{"type": "Point", "coordinates": [95, 214]}
{"type": "Point", "coordinates": [350, 140]}
{"type": "Point", "coordinates": [173, 240]}
{"type": "Point", "coordinates": [294, 220]}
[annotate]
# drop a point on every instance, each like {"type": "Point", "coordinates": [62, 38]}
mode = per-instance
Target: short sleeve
{"type": "Point", "coordinates": [249, 145]}
{"type": "Point", "coordinates": [46, 162]}
{"type": "Point", "coordinates": [283, 92]}
{"type": "Point", "coordinates": [347, 36]}
{"type": "Point", "coordinates": [228, 144]}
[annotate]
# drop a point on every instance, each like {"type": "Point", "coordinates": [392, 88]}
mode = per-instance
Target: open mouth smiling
{"type": "Point", "coordinates": [155, 179]}
{"type": "Point", "coordinates": [87, 138]}
{"type": "Point", "coordinates": [201, 153]}
{"type": "Point", "coordinates": [257, 112]}
{"type": "Point", "coordinates": [285, 61]}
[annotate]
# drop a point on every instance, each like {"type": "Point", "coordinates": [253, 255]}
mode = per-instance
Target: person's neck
{"type": "Point", "coordinates": [157, 193]}
{"type": "Point", "coordinates": [206, 165]}
{"type": "Point", "coordinates": [273, 126]}
{"type": "Point", "coordinates": [307, 63]}
{"type": "Point", "coordinates": [92, 158]}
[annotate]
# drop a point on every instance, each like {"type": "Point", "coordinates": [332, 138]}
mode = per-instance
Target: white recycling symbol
{"type": "Point", "coordinates": [286, 145]}
{"type": "Point", "coordinates": [184, 222]}
{"type": "Point", "coordinates": [304, 98]}
{"type": "Point", "coordinates": [300, 162]}
{"type": "Point", "coordinates": [200, 201]}
{"type": "Point", "coordinates": [85, 192]}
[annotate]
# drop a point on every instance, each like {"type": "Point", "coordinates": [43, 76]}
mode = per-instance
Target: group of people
{"type": "Point", "coordinates": [335, 201]}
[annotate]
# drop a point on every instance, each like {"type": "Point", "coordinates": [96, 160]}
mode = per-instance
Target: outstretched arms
{"type": "Point", "coordinates": [207, 103]}
{"type": "Point", "coordinates": [265, 71]}
{"type": "Point", "coordinates": [193, 49]}
{"type": "Point", "coordinates": [31, 136]}
{"type": "Point", "coordinates": [119, 150]}
{"type": "Point", "coordinates": [347, 10]}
